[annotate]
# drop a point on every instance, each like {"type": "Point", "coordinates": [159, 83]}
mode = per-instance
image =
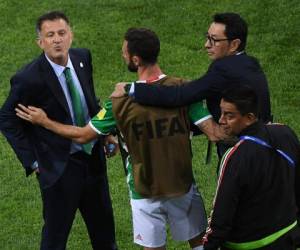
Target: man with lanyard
{"type": "Point", "coordinates": [155, 147]}
{"type": "Point", "coordinates": [258, 192]}
{"type": "Point", "coordinates": [225, 42]}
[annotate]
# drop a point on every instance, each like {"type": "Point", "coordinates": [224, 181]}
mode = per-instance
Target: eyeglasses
{"type": "Point", "coordinates": [214, 41]}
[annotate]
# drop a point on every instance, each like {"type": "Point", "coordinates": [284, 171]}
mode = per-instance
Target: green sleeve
{"type": "Point", "coordinates": [104, 122]}
{"type": "Point", "coordinates": [198, 112]}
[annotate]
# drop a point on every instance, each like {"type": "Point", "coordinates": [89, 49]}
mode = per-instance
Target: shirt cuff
{"type": "Point", "coordinates": [131, 90]}
{"type": "Point", "coordinates": [34, 165]}
{"type": "Point", "coordinates": [96, 130]}
{"type": "Point", "coordinates": [202, 119]}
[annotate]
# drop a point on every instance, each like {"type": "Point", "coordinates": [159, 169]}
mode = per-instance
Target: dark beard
{"type": "Point", "coordinates": [132, 67]}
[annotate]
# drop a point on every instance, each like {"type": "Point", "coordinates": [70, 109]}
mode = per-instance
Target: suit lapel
{"type": "Point", "coordinates": [53, 83]}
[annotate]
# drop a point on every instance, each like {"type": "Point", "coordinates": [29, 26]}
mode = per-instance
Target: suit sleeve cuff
{"type": "Point", "coordinates": [130, 89]}
{"type": "Point", "coordinates": [34, 165]}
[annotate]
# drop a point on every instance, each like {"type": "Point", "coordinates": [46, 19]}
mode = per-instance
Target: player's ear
{"type": "Point", "coordinates": [136, 60]}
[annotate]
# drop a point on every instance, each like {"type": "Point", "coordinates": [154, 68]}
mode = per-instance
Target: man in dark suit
{"type": "Point", "coordinates": [225, 44]}
{"type": "Point", "coordinates": [70, 175]}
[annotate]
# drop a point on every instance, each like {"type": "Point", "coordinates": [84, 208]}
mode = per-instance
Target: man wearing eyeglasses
{"type": "Point", "coordinates": [225, 44]}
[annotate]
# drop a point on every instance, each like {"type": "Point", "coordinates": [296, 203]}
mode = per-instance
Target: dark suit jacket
{"type": "Point", "coordinates": [222, 73]}
{"type": "Point", "coordinates": [36, 84]}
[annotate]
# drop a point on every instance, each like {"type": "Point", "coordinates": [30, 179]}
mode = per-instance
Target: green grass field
{"type": "Point", "coordinates": [99, 25]}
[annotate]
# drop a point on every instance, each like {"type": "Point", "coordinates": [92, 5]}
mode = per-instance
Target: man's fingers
{"type": "Point", "coordinates": [24, 108]}
{"type": "Point", "coordinates": [22, 117]}
{"type": "Point", "coordinates": [32, 108]}
{"type": "Point", "coordinates": [118, 93]}
{"type": "Point", "coordinates": [115, 94]}
{"type": "Point", "coordinates": [28, 109]}
{"type": "Point", "coordinates": [121, 84]}
{"type": "Point", "coordinates": [35, 109]}
{"type": "Point", "coordinates": [119, 90]}
{"type": "Point", "coordinates": [22, 114]}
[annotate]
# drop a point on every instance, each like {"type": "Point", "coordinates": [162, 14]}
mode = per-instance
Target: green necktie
{"type": "Point", "coordinates": [77, 106]}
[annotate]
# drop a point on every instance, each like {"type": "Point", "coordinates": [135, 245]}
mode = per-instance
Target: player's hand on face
{"type": "Point", "coordinates": [119, 90]}
{"type": "Point", "coordinates": [111, 146]}
{"type": "Point", "coordinates": [31, 114]}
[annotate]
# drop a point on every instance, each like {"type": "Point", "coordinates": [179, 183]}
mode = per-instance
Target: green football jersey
{"type": "Point", "coordinates": [104, 123]}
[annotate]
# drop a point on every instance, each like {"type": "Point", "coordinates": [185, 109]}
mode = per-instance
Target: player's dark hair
{"type": "Point", "coordinates": [235, 27]}
{"type": "Point", "coordinates": [144, 43]}
{"type": "Point", "coordinates": [243, 97]}
{"type": "Point", "coordinates": [50, 16]}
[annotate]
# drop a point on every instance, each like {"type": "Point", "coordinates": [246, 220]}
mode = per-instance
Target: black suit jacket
{"type": "Point", "coordinates": [222, 73]}
{"type": "Point", "coordinates": [36, 84]}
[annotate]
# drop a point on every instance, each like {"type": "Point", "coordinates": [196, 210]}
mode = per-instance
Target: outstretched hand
{"type": "Point", "coordinates": [31, 114]}
{"type": "Point", "coordinates": [119, 90]}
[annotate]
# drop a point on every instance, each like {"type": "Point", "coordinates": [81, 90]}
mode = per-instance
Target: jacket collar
{"type": "Point", "coordinates": [253, 129]}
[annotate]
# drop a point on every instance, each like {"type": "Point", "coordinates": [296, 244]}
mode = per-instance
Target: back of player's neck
{"type": "Point", "coordinates": [149, 72]}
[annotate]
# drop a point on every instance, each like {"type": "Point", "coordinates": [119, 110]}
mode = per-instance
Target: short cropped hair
{"type": "Point", "coordinates": [244, 98]}
{"type": "Point", "coordinates": [235, 27]}
{"type": "Point", "coordinates": [144, 43]}
{"type": "Point", "coordinates": [50, 16]}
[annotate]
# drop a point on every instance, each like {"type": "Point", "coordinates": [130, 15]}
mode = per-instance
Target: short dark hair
{"type": "Point", "coordinates": [235, 27]}
{"type": "Point", "coordinates": [243, 97]}
{"type": "Point", "coordinates": [144, 43]}
{"type": "Point", "coordinates": [52, 15]}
